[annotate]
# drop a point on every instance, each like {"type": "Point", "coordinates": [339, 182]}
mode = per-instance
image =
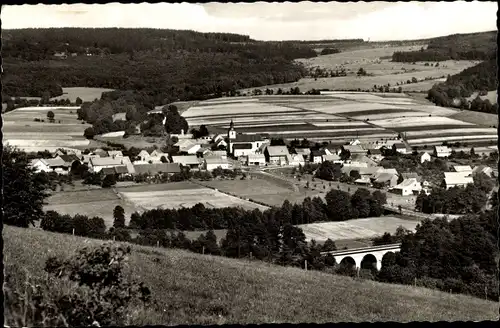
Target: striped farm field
{"type": "Point", "coordinates": [341, 124]}
{"type": "Point", "coordinates": [336, 132]}
{"type": "Point", "coordinates": [20, 143]}
{"type": "Point", "coordinates": [422, 121]}
{"type": "Point", "coordinates": [422, 141]}
{"type": "Point", "coordinates": [450, 132]}
{"type": "Point", "coordinates": [186, 198]}
{"type": "Point", "coordinates": [231, 109]}
{"type": "Point", "coordinates": [354, 229]}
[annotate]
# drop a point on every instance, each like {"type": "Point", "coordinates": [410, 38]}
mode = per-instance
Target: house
{"type": "Point", "coordinates": [182, 135]}
{"type": "Point", "coordinates": [203, 151]}
{"type": "Point", "coordinates": [466, 169]}
{"type": "Point", "coordinates": [85, 159]}
{"type": "Point", "coordinates": [48, 165]}
{"type": "Point", "coordinates": [99, 163]}
{"type": "Point", "coordinates": [363, 159]}
{"type": "Point", "coordinates": [365, 172]}
{"type": "Point", "coordinates": [120, 170]}
{"type": "Point", "coordinates": [385, 179]}
{"type": "Point", "coordinates": [188, 146]}
{"type": "Point", "coordinates": [407, 187]}
{"type": "Point", "coordinates": [411, 175]}
{"type": "Point", "coordinates": [354, 149]}
{"type": "Point", "coordinates": [221, 153]}
{"type": "Point", "coordinates": [295, 160]}
{"type": "Point", "coordinates": [355, 142]}
{"type": "Point", "coordinates": [213, 162]}
{"type": "Point", "coordinates": [256, 159]}
{"type": "Point", "coordinates": [442, 151]}
{"type": "Point", "coordinates": [243, 144]}
{"type": "Point", "coordinates": [60, 55]}
{"type": "Point", "coordinates": [400, 148]}
{"type": "Point", "coordinates": [364, 181]}
{"type": "Point", "coordinates": [457, 179]}
{"type": "Point", "coordinates": [375, 154]}
{"type": "Point", "coordinates": [100, 152]}
{"type": "Point", "coordinates": [317, 156]}
{"type": "Point", "coordinates": [276, 154]}
{"type": "Point", "coordinates": [115, 153]}
{"type": "Point", "coordinates": [331, 158]}
{"type": "Point", "coordinates": [484, 169]}
{"type": "Point", "coordinates": [304, 152]}
{"type": "Point", "coordinates": [190, 161]}
{"type": "Point", "coordinates": [157, 168]}
{"type": "Point", "coordinates": [425, 157]}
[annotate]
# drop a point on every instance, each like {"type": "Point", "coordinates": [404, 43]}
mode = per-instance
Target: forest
{"type": "Point", "coordinates": [480, 78]}
{"type": "Point", "coordinates": [475, 46]}
{"type": "Point", "coordinates": [164, 65]}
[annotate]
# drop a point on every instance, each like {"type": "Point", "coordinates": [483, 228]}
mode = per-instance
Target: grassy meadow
{"type": "Point", "coordinates": [190, 288]}
{"type": "Point", "coordinates": [84, 93]}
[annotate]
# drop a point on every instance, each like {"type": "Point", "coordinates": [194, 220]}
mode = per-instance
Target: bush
{"type": "Point", "coordinates": [87, 289]}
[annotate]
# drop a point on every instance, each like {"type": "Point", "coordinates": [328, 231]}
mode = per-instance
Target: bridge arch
{"type": "Point", "coordinates": [348, 261]}
{"type": "Point", "coordinates": [370, 262]}
{"type": "Point", "coordinates": [388, 259]}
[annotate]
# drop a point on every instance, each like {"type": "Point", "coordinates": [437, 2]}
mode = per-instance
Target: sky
{"type": "Point", "coordinates": [377, 21]}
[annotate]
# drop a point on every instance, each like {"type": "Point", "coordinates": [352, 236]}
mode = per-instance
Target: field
{"type": "Point", "coordinates": [20, 129]}
{"type": "Point", "coordinates": [86, 94]}
{"type": "Point", "coordinates": [337, 117]}
{"type": "Point", "coordinates": [383, 70]}
{"type": "Point", "coordinates": [93, 202]}
{"type": "Point", "coordinates": [353, 229]}
{"type": "Point", "coordinates": [172, 195]}
{"type": "Point", "coordinates": [478, 118]}
{"type": "Point", "coordinates": [188, 287]}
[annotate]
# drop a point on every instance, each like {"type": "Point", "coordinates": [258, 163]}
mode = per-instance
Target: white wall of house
{"type": "Point", "coordinates": [318, 159]}
{"type": "Point", "coordinates": [39, 166]}
{"type": "Point", "coordinates": [243, 152]}
{"type": "Point", "coordinates": [425, 158]}
{"type": "Point", "coordinates": [211, 167]}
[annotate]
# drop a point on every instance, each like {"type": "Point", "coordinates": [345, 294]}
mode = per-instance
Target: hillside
{"type": "Point", "coordinates": [165, 65]}
{"type": "Point", "coordinates": [480, 78]}
{"type": "Point", "coordinates": [194, 289]}
{"type": "Point", "coordinates": [473, 46]}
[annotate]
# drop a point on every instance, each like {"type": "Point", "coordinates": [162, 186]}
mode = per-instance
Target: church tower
{"type": "Point", "coordinates": [231, 133]}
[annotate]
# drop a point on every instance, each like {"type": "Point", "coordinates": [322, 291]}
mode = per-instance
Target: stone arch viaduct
{"type": "Point", "coordinates": [359, 256]}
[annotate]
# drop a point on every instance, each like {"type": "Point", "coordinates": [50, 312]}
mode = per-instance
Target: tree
{"type": "Point", "coordinates": [361, 72]}
{"type": "Point", "coordinates": [345, 154]}
{"type": "Point", "coordinates": [89, 133]}
{"type": "Point", "coordinates": [329, 246]}
{"type": "Point", "coordinates": [355, 174]}
{"type": "Point", "coordinates": [45, 97]}
{"type": "Point", "coordinates": [108, 181]}
{"type": "Point", "coordinates": [24, 190]}
{"type": "Point", "coordinates": [78, 101]}
{"type": "Point", "coordinates": [163, 159]}
{"type": "Point", "coordinates": [119, 217]}
{"type": "Point", "coordinates": [360, 200]}
{"type": "Point", "coordinates": [338, 205]}
{"type": "Point", "coordinates": [50, 115]}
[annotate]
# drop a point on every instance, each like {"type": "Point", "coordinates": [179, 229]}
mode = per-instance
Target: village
{"type": "Point", "coordinates": [237, 151]}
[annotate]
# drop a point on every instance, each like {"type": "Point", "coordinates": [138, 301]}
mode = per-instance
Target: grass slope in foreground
{"type": "Point", "coordinates": [195, 289]}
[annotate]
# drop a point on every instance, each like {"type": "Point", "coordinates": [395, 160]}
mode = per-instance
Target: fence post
{"type": "Point", "coordinates": [250, 255]}
{"type": "Point", "coordinates": [305, 263]}
{"type": "Point", "coordinates": [157, 243]}
{"type": "Point", "coordinates": [203, 250]}
{"type": "Point", "coordinates": [73, 231]}
{"type": "Point", "coordinates": [486, 292]}
{"type": "Point", "coordinates": [415, 281]}
{"type": "Point", "coordinates": [114, 238]}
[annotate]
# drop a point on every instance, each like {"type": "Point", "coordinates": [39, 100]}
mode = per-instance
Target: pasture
{"type": "Point", "coordinates": [21, 130]}
{"type": "Point", "coordinates": [478, 118]}
{"type": "Point", "coordinates": [354, 229]}
{"type": "Point", "coordinates": [94, 202]}
{"type": "Point", "coordinates": [185, 197]}
{"type": "Point", "coordinates": [195, 289]}
{"type": "Point", "coordinates": [86, 94]}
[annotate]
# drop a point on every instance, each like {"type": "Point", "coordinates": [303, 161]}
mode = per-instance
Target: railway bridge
{"type": "Point", "coordinates": [364, 257]}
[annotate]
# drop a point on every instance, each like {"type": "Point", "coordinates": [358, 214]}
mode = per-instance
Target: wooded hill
{"type": "Point", "coordinates": [167, 64]}
{"type": "Point", "coordinates": [482, 78]}
{"type": "Point", "coordinates": [473, 46]}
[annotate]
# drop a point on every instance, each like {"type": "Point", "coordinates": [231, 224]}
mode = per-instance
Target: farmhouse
{"type": "Point", "coordinates": [190, 161]}
{"type": "Point", "coordinates": [317, 156]}
{"type": "Point", "coordinates": [365, 172]}
{"type": "Point", "coordinates": [442, 151]}
{"type": "Point", "coordinates": [256, 159]}
{"type": "Point", "coordinates": [49, 165]}
{"type": "Point", "coordinates": [466, 169]}
{"type": "Point", "coordinates": [411, 175]}
{"type": "Point", "coordinates": [211, 163]}
{"type": "Point", "coordinates": [425, 158]}
{"type": "Point", "coordinates": [158, 168]}
{"type": "Point", "coordinates": [408, 187]}
{"type": "Point", "coordinates": [100, 152]}
{"type": "Point", "coordinates": [332, 158]}
{"type": "Point", "coordinates": [354, 149]}
{"type": "Point", "coordinates": [221, 153]}
{"type": "Point", "coordinates": [276, 154]}
{"type": "Point", "coordinates": [456, 179]}
{"type": "Point", "coordinates": [117, 170]}
{"type": "Point", "coordinates": [182, 135]}
{"type": "Point", "coordinates": [295, 160]}
{"type": "Point", "coordinates": [364, 160]}
{"type": "Point", "coordinates": [188, 146]}
{"type": "Point", "coordinates": [400, 148]}
{"type": "Point", "coordinates": [86, 158]}
{"type": "Point", "coordinates": [69, 159]}
{"type": "Point", "coordinates": [115, 153]}
{"type": "Point", "coordinates": [385, 179]}
{"type": "Point", "coordinates": [99, 163]}
{"type": "Point", "coordinates": [203, 151]}
{"type": "Point", "coordinates": [304, 152]}
{"type": "Point", "coordinates": [482, 169]}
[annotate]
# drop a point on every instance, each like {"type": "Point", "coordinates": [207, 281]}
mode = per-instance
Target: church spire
{"type": "Point", "coordinates": [231, 125]}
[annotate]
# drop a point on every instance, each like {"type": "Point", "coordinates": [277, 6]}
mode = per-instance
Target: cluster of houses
{"type": "Point", "coordinates": [213, 151]}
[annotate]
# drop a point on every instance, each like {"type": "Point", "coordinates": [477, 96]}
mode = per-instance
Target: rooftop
{"type": "Point", "coordinates": [247, 138]}
{"type": "Point", "coordinates": [277, 150]}
{"type": "Point", "coordinates": [452, 178]}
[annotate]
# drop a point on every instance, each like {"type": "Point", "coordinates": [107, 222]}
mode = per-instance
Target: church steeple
{"type": "Point", "coordinates": [231, 133]}
{"type": "Point", "coordinates": [231, 125]}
